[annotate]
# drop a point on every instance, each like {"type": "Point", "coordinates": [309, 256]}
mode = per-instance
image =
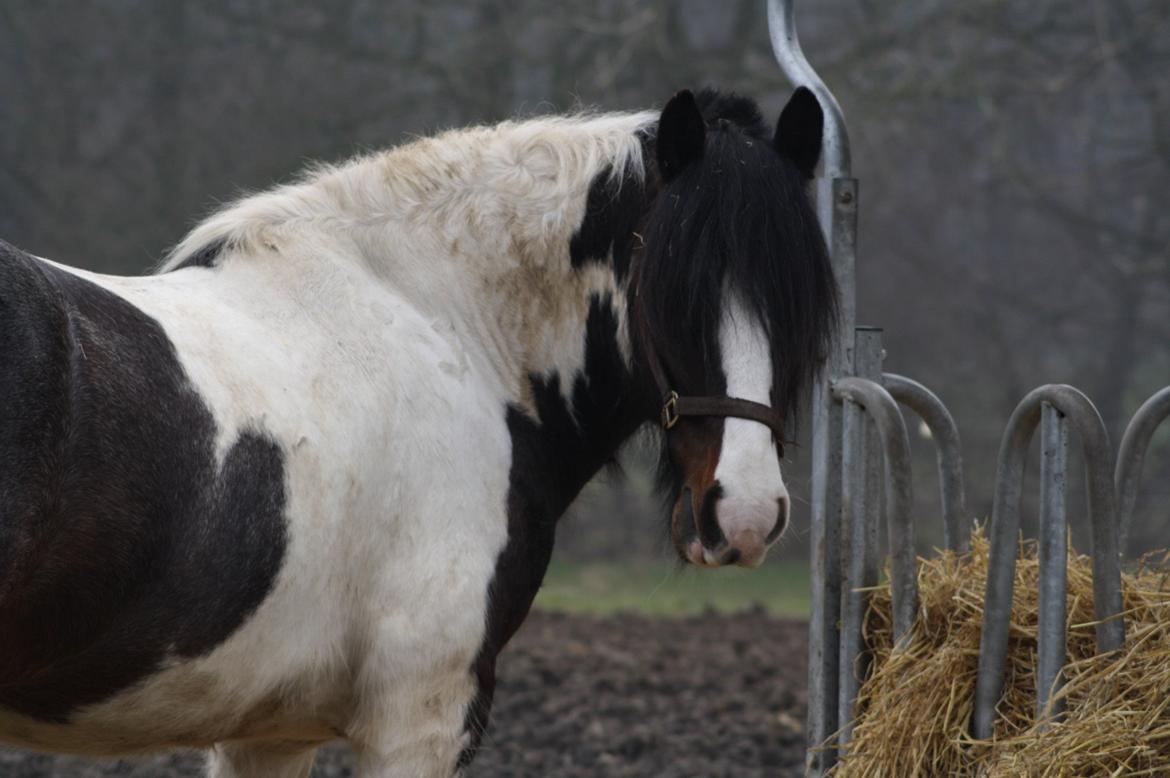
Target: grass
{"type": "Point", "coordinates": [661, 588]}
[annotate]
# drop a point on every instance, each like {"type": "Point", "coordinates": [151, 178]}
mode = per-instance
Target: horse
{"type": "Point", "coordinates": [301, 482]}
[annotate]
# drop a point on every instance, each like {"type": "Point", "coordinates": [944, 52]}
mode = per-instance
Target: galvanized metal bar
{"type": "Point", "coordinates": [853, 511]}
{"type": "Point", "coordinates": [868, 358]}
{"type": "Point", "coordinates": [1005, 526]}
{"type": "Point", "coordinates": [836, 196]}
{"type": "Point", "coordinates": [825, 575]}
{"type": "Point", "coordinates": [1053, 553]}
{"type": "Point", "coordinates": [948, 452]}
{"type": "Point", "coordinates": [837, 211]}
{"type": "Point", "coordinates": [895, 445]}
{"type": "Point", "coordinates": [860, 514]}
{"type": "Point", "coordinates": [786, 45]}
{"type": "Point", "coordinates": [1132, 455]}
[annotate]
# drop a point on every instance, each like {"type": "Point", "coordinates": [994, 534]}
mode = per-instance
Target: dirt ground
{"type": "Point", "coordinates": [622, 696]}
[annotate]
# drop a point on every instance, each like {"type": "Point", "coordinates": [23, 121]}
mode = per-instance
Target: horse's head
{"type": "Point", "coordinates": [734, 297]}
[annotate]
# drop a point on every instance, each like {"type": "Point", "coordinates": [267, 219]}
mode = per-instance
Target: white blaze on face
{"type": "Point", "coordinates": [754, 496]}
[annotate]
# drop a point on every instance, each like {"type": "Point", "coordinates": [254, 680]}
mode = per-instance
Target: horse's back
{"type": "Point", "coordinates": [126, 543]}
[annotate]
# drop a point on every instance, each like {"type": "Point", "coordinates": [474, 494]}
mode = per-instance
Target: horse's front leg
{"type": "Point", "coordinates": [260, 760]}
{"type": "Point", "coordinates": [432, 601]}
{"type": "Point", "coordinates": [420, 728]}
{"type": "Point", "coordinates": [420, 689]}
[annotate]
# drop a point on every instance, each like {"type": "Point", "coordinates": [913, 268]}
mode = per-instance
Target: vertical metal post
{"type": "Point", "coordinates": [1053, 552]}
{"type": "Point", "coordinates": [837, 209]}
{"type": "Point", "coordinates": [860, 515]}
{"type": "Point", "coordinates": [869, 357]}
{"type": "Point", "coordinates": [837, 212]}
{"type": "Point", "coordinates": [853, 557]}
{"type": "Point", "coordinates": [824, 528]}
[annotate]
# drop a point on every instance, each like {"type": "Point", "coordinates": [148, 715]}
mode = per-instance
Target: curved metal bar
{"type": "Point", "coordinates": [1005, 526]}
{"type": "Point", "coordinates": [1132, 455]}
{"type": "Point", "coordinates": [895, 444]}
{"type": "Point", "coordinates": [786, 45]}
{"type": "Point", "coordinates": [948, 451]}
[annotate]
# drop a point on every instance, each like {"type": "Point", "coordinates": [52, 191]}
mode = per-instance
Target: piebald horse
{"type": "Point", "coordinates": [302, 483]}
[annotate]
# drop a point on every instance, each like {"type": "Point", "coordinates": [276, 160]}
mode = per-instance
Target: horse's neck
{"type": "Point", "coordinates": [529, 262]}
{"type": "Point", "coordinates": [505, 236]}
{"type": "Point", "coordinates": [520, 237]}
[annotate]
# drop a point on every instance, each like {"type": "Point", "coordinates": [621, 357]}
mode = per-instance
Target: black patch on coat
{"type": "Point", "coordinates": [553, 457]}
{"type": "Point", "coordinates": [122, 540]}
{"type": "Point", "coordinates": [613, 209]}
{"type": "Point", "coordinates": [208, 256]}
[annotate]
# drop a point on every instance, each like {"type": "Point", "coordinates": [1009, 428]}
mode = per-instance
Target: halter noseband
{"type": "Point", "coordinates": [675, 406]}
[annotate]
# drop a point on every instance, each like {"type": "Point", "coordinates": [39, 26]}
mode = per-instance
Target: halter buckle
{"type": "Point", "coordinates": [670, 410]}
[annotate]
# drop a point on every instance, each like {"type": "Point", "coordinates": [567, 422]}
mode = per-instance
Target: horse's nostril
{"type": "Point", "coordinates": [709, 530]}
{"type": "Point", "coordinates": [733, 556]}
{"type": "Point", "coordinates": [781, 519]}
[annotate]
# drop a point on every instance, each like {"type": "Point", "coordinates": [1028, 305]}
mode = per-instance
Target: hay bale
{"type": "Point", "coordinates": [914, 709]}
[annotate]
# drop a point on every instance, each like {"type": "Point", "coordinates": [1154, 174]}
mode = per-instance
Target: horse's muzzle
{"type": "Point", "coordinates": [720, 531]}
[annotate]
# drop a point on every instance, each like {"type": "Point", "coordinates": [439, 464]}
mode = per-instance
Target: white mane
{"type": "Point", "coordinates": [534, 172]}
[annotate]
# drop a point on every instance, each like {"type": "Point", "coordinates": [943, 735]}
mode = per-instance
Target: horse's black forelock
{"type": "Point", "coordinates": [740, 220]}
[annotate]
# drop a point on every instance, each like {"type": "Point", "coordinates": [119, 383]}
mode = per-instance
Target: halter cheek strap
{"type": "Point", "coordinates": [675, 406]}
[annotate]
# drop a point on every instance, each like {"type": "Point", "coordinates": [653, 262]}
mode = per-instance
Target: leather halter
{"type": "Point", "coordinates": [675, 406]}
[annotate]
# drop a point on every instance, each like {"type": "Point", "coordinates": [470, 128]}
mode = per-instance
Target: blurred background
{"type": "Point", "coordinates": [1013, 157]}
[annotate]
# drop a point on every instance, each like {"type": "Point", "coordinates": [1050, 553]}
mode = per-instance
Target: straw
{"type": "Point", "coordinates": [914, 709]}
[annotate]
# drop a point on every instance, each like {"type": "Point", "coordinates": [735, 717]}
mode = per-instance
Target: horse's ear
{"type": "Point", "coordinates": [799, 131]}
{"type": "Point", "coordinates": [681, 134]}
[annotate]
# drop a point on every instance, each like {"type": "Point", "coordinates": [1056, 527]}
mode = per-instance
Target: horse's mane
{"type": "Point", "coordinates": [549, 159]}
